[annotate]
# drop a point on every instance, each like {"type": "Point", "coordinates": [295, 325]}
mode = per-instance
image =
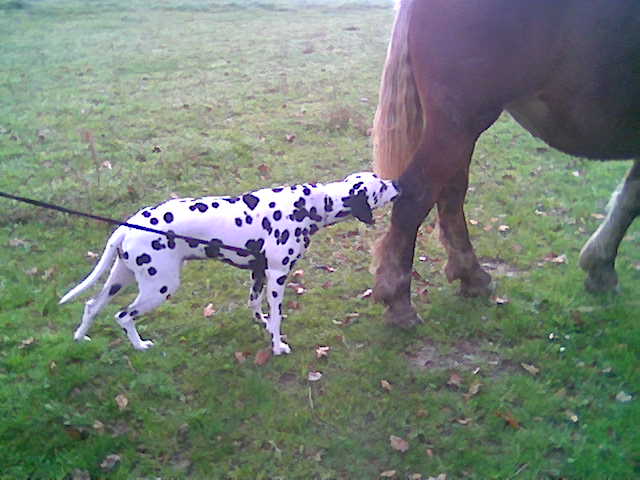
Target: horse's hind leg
{"type": "Point", "coordinates": [439, 167]}
{"type": "Point", "coordinates": [463, 264]}
{"type": "Point", "coordinates": [598, 255]}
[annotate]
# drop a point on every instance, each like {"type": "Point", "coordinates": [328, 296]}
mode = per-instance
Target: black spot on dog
{"type": "Point", "coordinates": [146, 214]}
{"type": "Point", "coordinates": [281, 280]}
{"type": "Point", "coordinates": [125, 255]}
{"type": "Point", "coordinates": [248, 220]}
{"type": "Point", "coordinates": [254, 246]}
{"type": "Point", "coordinates": [277, 190]}
{"type": "Point", "coordinates": [266, 224]}
{"type": "Point", "coordinates": [142, 259]}
{"type": "Point", "coordinates": [163, 290]}
{"type": "Point", "coordinates": [122, 314]}
{"type": "Point", "coordinates": [277, 215]}
{"type": "Point", "coordinates": [134, 313]}
{"type": "Point", "coordinates": [193, 243]}
{"type": "Point", "coordinates": [115, 288]}
{"type": "Point", "coordinates": [306, 191]}
{"type": "Point", "coordinates": [274, 294]}
{"type": "Point", "coordinates": [313, 228]}
{"type": "Point", "coordinates": [201, 207]}
{"type": "Point", "coordinates": [158, 245]}
{"type": "Point", "coordinates": [272, 204]}
{"type": "Point", "coordinates": [154, 221]}
{"type": "Point", "coordinates": [285, 260]}
{"type": "Point", "coordinates": [152, 271]}
{"type": "Point", "coordinates": [284, 237]}
{"type": "Point", "coordinates": [238, 222]}
{"type": "Point", "coordinates": [168, 217]}
{"type": "Point", "coordinates": [297, 232]}
{"type": "Point", "coordinates": [231, 200]}
{"type": "Point", "coordinates": [250, 200]}
{"type": "Point", "coordinates": [328, 204]}
{"type": "Point", "coordinates": [291, 251]}
{"type": "Point", "coordinates": [215, 204]}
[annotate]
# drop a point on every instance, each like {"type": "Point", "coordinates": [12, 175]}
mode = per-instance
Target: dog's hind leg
{"type": "Point", "coordinates": [256, 294]}
{"type": "Point", "coordinates": [119, 277]}
{"type": "Point", "coordinates": [154, 290]}
{"type": "Point", "coordinates": [275, 294]}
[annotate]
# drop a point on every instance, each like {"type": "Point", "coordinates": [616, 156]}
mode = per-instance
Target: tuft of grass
{"type": "Point", "coordinates": [121, 105]}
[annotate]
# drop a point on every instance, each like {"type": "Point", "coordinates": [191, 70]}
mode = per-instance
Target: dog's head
{"type": "Point", "coordinates": [367, 192]}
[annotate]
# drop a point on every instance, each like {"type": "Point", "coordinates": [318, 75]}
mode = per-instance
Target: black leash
{"type": "Point", "coordinates": [170, 234]}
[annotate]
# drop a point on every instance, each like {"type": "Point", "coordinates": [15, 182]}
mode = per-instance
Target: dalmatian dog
{"type": "Point", "coordinates": [265, 231]}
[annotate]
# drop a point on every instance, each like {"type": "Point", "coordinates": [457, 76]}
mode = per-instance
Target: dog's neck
{"type": "Point", "coordinates": [329, 203]}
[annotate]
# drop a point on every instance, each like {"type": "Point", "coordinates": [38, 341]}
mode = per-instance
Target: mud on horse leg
{"type": "Point", "coordinates": [462, 263]}
{"type": "Point", "coordinates": [395, 251]}
{"type": "Point", "coordinates": [598, 255]}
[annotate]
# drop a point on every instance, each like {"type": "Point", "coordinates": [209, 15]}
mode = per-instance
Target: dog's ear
{"type": "Point", "coordinates": [359, 207]}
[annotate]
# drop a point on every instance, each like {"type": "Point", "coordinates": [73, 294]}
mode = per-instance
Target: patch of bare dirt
{"type": "Point", "coordinates": [464, 356]}
{"type": "Point", "coordinates": [500, 268]}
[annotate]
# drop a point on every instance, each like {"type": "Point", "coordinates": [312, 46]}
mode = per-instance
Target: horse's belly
{"type": "Point", "coordinates": [581, 126]}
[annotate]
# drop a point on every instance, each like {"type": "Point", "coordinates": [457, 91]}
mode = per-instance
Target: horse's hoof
{"type": "Point", "coordinates": [404, 316]}
{"type": "Point", "coordinates": [476, 289]}
{"type": "Point", "coordinates": [602, 282]}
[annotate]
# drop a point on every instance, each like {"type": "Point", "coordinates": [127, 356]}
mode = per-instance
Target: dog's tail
{"type": "Point", "coordinates": [106, 260]}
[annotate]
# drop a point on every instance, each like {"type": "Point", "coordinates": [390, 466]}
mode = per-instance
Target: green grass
{"type": "Point", "coordinates": [192, 97]}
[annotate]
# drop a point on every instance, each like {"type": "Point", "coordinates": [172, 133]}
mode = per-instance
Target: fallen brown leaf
{"type": "Point", "coordinates": [385, 385]}
{"type": "Point", "coordinates": [322, 352]}
{"type": "Point", "coordinates": [388, 474]}
{"type": "Point", "coordinates": [110, 462]}
{"type": "Point", "coordinates": [262, 356]}
{"type": "Point", "coordinates": [473, 390]}
{"type": "Point", "coordinates": [532, 369]}
{"type": "Point", "coordinates": [398, 443]}
{"type": "Point", "coordinates": [122, 401]}
{"type": "Point", "coordinates": [510, 419]}
{"type": "Point", "coordinates": [455, 380]}
{"type": "Point", "coordinates": [241, 357]}
{"type": "Point", "coordinates": [209, 311]}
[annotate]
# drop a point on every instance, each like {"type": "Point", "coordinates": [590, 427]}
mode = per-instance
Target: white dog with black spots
{"type": "Point", "coordinates": [266, 231]}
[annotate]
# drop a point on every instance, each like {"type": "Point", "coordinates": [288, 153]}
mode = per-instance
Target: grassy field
{"type": "Point", "coordinates": [109, 106]}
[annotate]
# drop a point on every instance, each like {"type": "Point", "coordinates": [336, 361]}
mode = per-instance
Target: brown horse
{"type": "Point", "coordinates": [567, 70]}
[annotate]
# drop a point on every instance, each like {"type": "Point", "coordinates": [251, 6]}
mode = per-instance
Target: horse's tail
{"type": "Point", "coordinates": [399, 122]}
{"type": "Point", "coordinates": [106, 260]}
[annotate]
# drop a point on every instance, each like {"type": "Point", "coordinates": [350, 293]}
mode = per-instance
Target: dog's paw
{"type": "Point", "coordinates": [144, 345]}
{"type": "Point", "coordinates": [282, 349]}
{"type": "Point", "coordinates": [81, 338]}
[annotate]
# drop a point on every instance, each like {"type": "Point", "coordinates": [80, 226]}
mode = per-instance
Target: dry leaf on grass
{"type": "Point", "coordinates": [455, 380]}
{"type": "Point", "coordinates": [241, 357]}
{"type": "Point", "coordinates": [209, 311]}
{"type": "Point", "coordinates": [385, 385]}
{"type": "Point", "coordinates": [510, 419]}
{"type": "Point", "coordinates": [322, 352]}
{"type": "Point", "coordinates": [262, 356]}
{"type": "Point", "coordinates": [110, 462]}
{"type": "Point", "coordinates": [398, 443]}
{"type": "Point", "coordinates": [473, 390]}
{"type": "Point", "coordinates": [314, 376]}
{"type": "Point", "coordinates": [532, 369]}
{"type": "Point", "coordinates": [623, 397]}
{"type": "Point", "coordinates": [122, 401]}
{"type": "Point", "coordinates": [388, 474]}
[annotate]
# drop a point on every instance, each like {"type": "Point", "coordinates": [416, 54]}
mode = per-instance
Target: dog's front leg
{"type": "Point", "coordinates": [276, 281]}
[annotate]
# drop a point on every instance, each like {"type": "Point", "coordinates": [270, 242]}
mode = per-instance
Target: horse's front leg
{"type": "Point", "coordinates": [393, 253]}
{"type": "Point", "coordinates": [462, 263]}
